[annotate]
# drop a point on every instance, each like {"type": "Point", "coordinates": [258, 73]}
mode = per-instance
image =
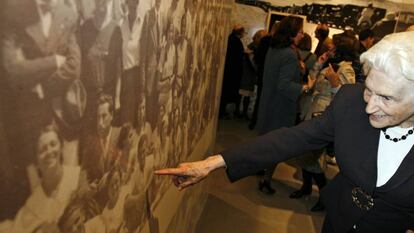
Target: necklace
{"type": "Point", "coordinates": [384, 130]}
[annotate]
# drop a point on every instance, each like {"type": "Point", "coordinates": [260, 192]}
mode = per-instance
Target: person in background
{"type": "Point", "coordinates": [385, 26]}
{"type": "Point", "coordinates": [338, 72]}
{"type": "Point", "coordinates": [259, 60]}
{"type": "Point", "coordinates": [366, 40]}
{"type": "Point", "coordinates": [332, 70]}
{"type": "Point", "coordinates": [364, 20]}
{"type": "Point", "coordinates": [281, 85]}
{"type": "Point", "coordinates": [308, 163]}
{"type": "Point", "coordinates": [249, 76]}
{"type": "Point", "coordinates": [325, 42]}
{"type": "Point", "coordinates": [233, 70]}
{"type": "Point", "coordinates": [309, 59]}
{"type": "Point", "coordinates": [372, 127]}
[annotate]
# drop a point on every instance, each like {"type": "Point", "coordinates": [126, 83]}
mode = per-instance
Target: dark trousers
{"type": "Point", "coordinates": [269, 173]}
{"type": "Point", "coordinates": [256, 106]}
{"type": "Point", "coordinates": [245, 107]}
{"type": "Point", "coordinates": [307, 176]}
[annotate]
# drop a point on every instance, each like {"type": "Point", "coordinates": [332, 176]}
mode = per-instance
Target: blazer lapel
{"type": "Point", "coordinates": [365, 148]}
{"type": "Point", "coordinates": [61, 14]}
{"type": "Point", "coordinates": [371, 144]}
{"type": "Point", "coordinates": [36, 33]}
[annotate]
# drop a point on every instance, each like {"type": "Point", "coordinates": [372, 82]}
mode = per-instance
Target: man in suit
{"type": "Point", "coordinates": [150, 43]}
{"type": "Point", "coordinates": [131, 29]}
{"type": "Point", "coordinates": [101, 47]}
{"type": "Point", "coordinates": [325, 42]}
{"type": "Point", "coordinates": [41, 58]}
{"type": "Point", "coordinates": [100, 151]}
{"type": "Point", "coordinates": [372, 127]}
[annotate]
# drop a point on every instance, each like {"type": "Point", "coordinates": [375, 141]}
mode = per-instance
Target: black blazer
{"type": "Point", "coordinates": [356, 143]}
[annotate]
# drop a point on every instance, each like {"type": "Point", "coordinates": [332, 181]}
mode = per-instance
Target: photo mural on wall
{"type": "Point", "coordinates": [94, 96]}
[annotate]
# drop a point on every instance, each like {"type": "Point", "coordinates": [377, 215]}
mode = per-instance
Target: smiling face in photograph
{"type": "Point", "coordinates": [49, 151]}
{"type": "Point", "coordinates": [390, 100]}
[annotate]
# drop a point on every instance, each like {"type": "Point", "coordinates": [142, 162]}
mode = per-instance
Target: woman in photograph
{"type": "Point", "coordinates": [57, 183]}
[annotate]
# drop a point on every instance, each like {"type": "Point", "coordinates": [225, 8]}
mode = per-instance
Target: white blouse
{"type": "Point", "coordinates": [391, 154]}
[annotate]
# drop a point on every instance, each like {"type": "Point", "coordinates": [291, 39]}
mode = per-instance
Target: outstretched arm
{"type": "Point", "coordinates": [187, 174]}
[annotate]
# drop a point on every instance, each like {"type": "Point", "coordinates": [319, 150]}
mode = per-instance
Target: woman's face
{"type": "Point", "coordinates": [49, 151]}
{"type": "Point", "coordinates": [298, 37]}
{"type": "Point", "coordinates": [130, 138]}
{"type": "Point", "coordinates": [390, 100]}
{"type": "Point", "coordinates": [141, 113]}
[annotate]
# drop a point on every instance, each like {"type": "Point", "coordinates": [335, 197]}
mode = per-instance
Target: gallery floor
{"type": "Point", "coordinates": [240, 207]}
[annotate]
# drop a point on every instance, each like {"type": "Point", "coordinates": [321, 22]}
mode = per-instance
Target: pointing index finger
{"type": "Point", "coordinates": [170, 171]}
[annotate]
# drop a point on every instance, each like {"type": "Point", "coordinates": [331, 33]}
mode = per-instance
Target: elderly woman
{"type": "Point", "coordinates": [372, 128]}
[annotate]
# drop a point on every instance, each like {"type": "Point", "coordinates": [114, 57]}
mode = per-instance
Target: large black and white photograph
{"type": "Point", "coordinates": [96, 95]}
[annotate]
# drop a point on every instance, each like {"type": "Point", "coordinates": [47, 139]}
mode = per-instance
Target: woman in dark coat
{"type": "Point", "coordinates": [281, 84]}
{"type": "Point", "coordinates": [233, 70]}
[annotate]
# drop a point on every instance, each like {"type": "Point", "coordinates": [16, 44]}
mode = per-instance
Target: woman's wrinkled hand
{"type": "Point", "coordinates": [187, 174]}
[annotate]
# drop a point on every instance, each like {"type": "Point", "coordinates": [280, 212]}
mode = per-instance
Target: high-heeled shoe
{"type": "Point", "coordinates": [299, 194]}
{"type": "Point", "coordinates": [265, 187]}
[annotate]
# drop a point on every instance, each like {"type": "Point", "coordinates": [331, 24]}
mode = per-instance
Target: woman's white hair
{"type": "Point", "coordinates": [393, 55]}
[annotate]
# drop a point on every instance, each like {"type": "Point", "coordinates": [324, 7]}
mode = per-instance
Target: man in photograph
{"type": "Point", "coordinates": [100, 150]}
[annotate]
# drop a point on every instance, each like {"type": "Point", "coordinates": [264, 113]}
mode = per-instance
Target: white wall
{"type": "Point", "coordinates": [392, 5]}
{"type": "Point", "coordinates": [254, 18]}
